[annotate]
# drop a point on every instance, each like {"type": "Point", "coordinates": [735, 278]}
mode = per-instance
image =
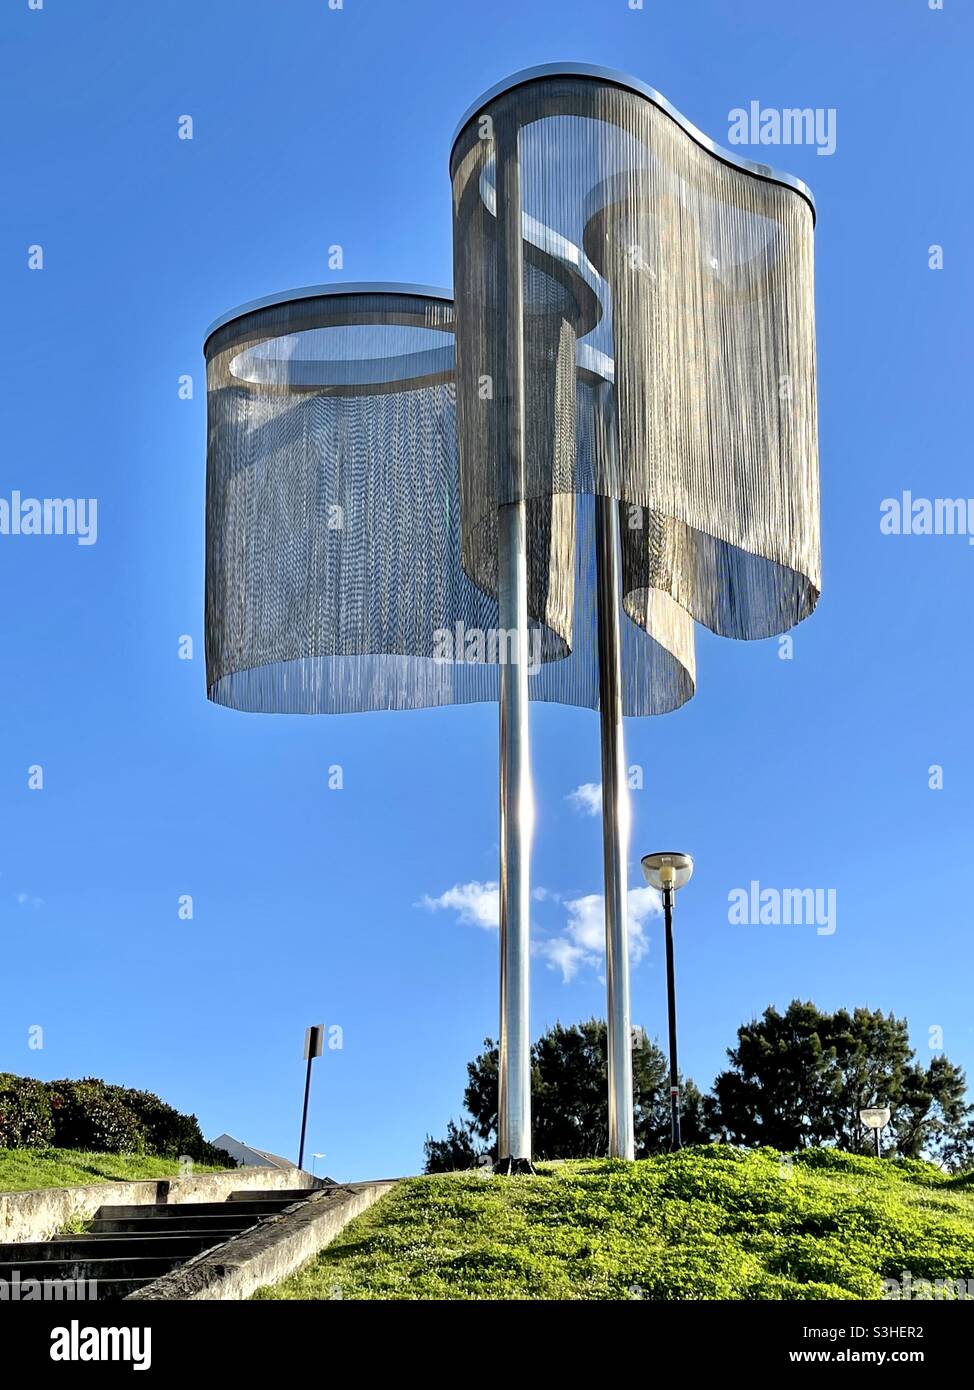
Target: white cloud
{"type": "Point", "coordinates": [582, 942]}
{"type": "Point", "coordinates": [28, 900]}
{"type": "Point", "coordinates": [580, 945]}
{"type": "Point", "coordinates": [586, 799]}
{"type": "Point", "coordinates": [476, 904]}
{"type": "Point", "coordinates": [542, 895]}
{"type": "Point", "coordinates": [562, 955]}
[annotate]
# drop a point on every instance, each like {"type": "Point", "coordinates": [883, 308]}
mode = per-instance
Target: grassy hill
{"type": "Point", "coordinates": [707, 1223]}
{"type": "Point", "coordinates": [23, 1170]}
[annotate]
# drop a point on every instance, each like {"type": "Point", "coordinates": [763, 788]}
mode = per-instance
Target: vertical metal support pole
{"type": "Point", "coordinates": [516, 796]}
{"type": "Point", "coordinates": [304, 1113]}
{"type": "Point", "coordinates": [675, 1140]}
{"type": "Point", "coordinates": [516, 817]}
{"type": "Point", "coordinates": [615, 830]}
{"type": "Point", "coordinates": [879, 1147]}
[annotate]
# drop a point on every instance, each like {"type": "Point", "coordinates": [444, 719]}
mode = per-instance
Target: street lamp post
{"type": "Point", "coordinates": [669, 871]}
{"type": "Point", "coordinates": [876, 1118]}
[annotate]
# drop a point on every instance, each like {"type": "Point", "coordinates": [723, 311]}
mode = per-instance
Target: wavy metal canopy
{"type": "Point", "coordinates": [334, 580]}
{"type": "Point", "coordinates": [646, 247]}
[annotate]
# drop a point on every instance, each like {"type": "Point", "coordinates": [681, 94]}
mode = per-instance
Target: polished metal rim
{"type": "Point", "coordinates": [633, 84]}
{"type": "Point", "coordinates": [271, 301]}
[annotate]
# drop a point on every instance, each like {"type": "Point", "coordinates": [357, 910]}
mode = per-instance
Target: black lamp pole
{"type": "Point", "coordinates": [675, 1140]}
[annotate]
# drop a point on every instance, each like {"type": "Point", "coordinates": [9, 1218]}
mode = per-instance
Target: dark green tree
{"type": "Point", "coordinates": [458, 1150]}
{"type": "Point", "coordinates": [569, 1104]}
{"type": "Point", "coordinates": [800, 1078]}
{"type": "Point", "coordinates": [782, 1087]}
{"type": "Point", "coordinates": [872, 1056]}
{"type": "Point", "coordinates": [933, 1118]}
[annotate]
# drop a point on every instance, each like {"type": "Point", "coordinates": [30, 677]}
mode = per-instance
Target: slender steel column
{"type": "Point", "coordinates": [615, 829]}
{"type": "Point", "coordinates": [676, 1141]}
{"type": "Point", "coordinates": [516, 824]}
{"type": "Point", "coordinates": [516, 796]}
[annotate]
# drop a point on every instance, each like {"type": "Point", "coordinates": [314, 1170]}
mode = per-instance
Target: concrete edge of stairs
{"type": "Point", "coordinates": [43, 1213]}
{"type": "Point", "coordinates": [267, 1253]}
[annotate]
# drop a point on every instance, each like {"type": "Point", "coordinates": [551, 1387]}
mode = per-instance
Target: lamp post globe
{"type": "Point", "coordinates": [876, 1118]}
{"type": "Point", "coordinates": [668, 871]}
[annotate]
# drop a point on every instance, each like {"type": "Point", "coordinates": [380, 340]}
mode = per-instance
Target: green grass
{"type": "Point", "coordinates": [22, 1170]}
{"type": "Point", "coordinates": [708, 1223]}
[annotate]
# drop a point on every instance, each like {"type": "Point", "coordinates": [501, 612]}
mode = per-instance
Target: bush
{"type": "Point", "coordinates": [25, 1113]}
{"type": "Point", "coordinates": [91, 1115]}
{"type": "Point", "coordinates": [169, 1133]}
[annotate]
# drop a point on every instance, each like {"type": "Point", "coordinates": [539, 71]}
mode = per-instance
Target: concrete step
{"type": "Point", "coordinates": [188, 1226]}
{"type": "Point", "coordinates": [168, 1211]}
{"type": "Point", "coordinates": [294, 1194]}
{"type": "Point", "coordinates": [131, 1267]}
{"type": "Point", "coordinates": [112, 1290]}
{"type": "Point", "coordinates": [103, 1247]}
{"type": "Point", "coordinates": [128, 1247]}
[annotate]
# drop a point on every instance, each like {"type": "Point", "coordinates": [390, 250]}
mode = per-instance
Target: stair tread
{"type": "Point", "coordinates": [163, 1209]}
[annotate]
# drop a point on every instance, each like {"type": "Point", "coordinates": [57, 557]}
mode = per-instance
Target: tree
{"type": "Point", "coordinates": [933, 1118]}
{"type": "Point", "coordinates": [872, 1055]}
{"type": "Point", "coordinates": [569, 1100]}
{"type": "Point", "coordinates": [800, 1078]}
{"type": "Point", "coordinates": [458, 1150]}
{"type": "Point", "coordinates": [783, 1084]}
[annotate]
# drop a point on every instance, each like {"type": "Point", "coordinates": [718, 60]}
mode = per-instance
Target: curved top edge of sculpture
{"type": "Point", "coordinates": [271, 301]}
{"type": "Point", "coordinates": [633, 84]}
{"type": "Point", "coordinates": [592, 362]}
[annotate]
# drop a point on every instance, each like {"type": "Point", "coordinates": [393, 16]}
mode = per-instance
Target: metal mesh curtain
{"type": "Point", "coordinates": [676, 288]}
{"type": "Point", "coordinates": [334, 580]}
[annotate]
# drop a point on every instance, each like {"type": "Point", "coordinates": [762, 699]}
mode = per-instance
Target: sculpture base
{"type": "Point", "coordinates": [514, 1167]}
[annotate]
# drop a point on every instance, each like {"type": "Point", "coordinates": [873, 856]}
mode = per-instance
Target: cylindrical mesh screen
{"type": "Point", "coordinates": [334, 580]}
{"type": "Point", "coordinates": [691, 278]}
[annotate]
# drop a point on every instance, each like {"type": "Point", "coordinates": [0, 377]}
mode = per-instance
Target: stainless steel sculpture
{"type": "Point", "coordinates": [610, 434]}
{"type": "Point", "coordinates": [334, 581]}
{"type": "Point", "coordinates": [334, 557]}
{"type": "Point", "coordinates": [688, 273]}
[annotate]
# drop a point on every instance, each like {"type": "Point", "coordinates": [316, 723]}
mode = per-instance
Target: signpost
{"type": "Point", "coordinates": [313, 1042]}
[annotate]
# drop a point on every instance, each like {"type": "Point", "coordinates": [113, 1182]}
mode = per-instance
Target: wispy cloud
{"type": "Point", "coordinates": [29, 900]}
{"type": "Point", "coordinates": [545, 895]}
{"type": "Point", "coordinates": [586, 799]}
{"type": "Point", "coordinates": [581, 944]}
{"type": "Point", "coordinates": [476, 904]}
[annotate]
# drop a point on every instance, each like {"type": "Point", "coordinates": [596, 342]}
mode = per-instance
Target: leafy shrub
{"type": "Point", "coordinates": [87, 1115]}
{"type": "Point", "coordinates": [168, 1132]}
{"type": "Point", "coordinates": [25, 1113]}
{"type": "Point", "coordinates": [93, 1116]}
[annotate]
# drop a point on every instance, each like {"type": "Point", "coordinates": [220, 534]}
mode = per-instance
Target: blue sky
{"type": "Point", "coordinates": [314, 127]}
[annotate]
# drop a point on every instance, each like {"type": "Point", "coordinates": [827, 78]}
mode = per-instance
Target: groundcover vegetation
{"type": "Point", "coordinates": [23, 1170]}
{"type": "Point", "coordinates": [713, 1222]}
